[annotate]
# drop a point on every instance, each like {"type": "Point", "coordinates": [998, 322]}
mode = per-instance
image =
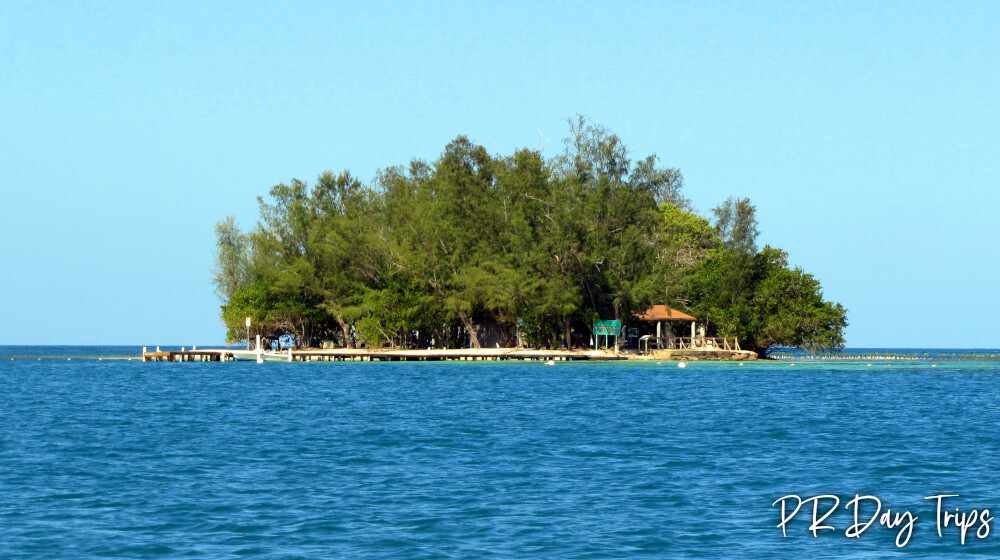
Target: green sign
{"type": "Point", "coordinates": [607, 328]}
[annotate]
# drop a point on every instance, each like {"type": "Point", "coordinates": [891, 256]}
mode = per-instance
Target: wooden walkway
{"type": "Point", "coordinates": [350, 355]}
{"type": "Point", "coordinates": [185, 355]}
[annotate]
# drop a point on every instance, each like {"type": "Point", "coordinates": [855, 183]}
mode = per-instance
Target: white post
{"type": "Point", "coordinates": [659, 325]}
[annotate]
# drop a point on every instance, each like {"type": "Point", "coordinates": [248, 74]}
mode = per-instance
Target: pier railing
{"type": "Point", "coordinates": [692, 343]}
{"type": "Point", "coordinates": [705, 343]}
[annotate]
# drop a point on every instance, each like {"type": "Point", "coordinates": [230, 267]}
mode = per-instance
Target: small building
{"type": "Point", "coordinates": [659, 314]}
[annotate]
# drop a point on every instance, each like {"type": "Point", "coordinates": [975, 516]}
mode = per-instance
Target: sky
{"type": "Point", "coordinates": [867, 134]}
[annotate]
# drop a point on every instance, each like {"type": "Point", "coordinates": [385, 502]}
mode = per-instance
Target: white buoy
{"type": "Point", "coordinates": [681, 365]}
{"type": "Point", "coordinates": [260, 359]}
{"type": "Point", "coordinates": [741, 363]}
{"type": "Point", "coordinates": [550, 363]}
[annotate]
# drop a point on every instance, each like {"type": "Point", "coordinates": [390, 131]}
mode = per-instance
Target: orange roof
{"type": "Point", "coordinates": [664, 313]}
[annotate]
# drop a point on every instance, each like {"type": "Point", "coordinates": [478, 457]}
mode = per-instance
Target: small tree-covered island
{"type": "Point", "coordinates": [478, 250]}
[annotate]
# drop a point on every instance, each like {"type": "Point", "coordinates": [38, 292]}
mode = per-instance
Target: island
{"type": "Point", "coordinates": [513, 253]}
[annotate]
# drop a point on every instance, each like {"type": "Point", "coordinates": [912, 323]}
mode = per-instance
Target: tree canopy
{"type": "Point", "coordinates": [475, 248]}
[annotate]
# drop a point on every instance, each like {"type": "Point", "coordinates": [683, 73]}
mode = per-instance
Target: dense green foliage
{"type": "Point", "coordinates": [477, 249]}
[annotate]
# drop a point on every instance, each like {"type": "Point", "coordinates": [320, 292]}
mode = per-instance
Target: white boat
{"type": "Point", "coordinates": [263, 356]}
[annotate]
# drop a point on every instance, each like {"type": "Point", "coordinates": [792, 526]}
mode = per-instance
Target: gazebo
{"type": "Point", "coordinates": [659, 314]}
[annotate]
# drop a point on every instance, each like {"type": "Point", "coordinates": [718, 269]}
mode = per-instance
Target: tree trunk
{"type": "Point", "coordinates": [473, 337]}
{"type": "Point", "coordinates": [568, 335]}
{"type": "Point", "coordinates": [346, 331]}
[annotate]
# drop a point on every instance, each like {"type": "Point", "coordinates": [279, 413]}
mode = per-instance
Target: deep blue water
{"type": "Point", "coordinates": [122, 459]}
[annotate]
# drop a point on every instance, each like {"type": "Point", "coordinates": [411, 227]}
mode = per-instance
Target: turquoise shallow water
{"type": "Point", "coordinates": [120, 459]}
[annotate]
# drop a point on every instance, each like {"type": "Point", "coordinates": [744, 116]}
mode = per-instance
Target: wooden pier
{"type": "Point", "coordinates": [374, 355]}
{"type": "Point", "coordinates": [185, 355]}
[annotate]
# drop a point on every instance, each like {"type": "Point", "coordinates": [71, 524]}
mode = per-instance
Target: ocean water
{"type": "Point", "coordinates": [102, 457]}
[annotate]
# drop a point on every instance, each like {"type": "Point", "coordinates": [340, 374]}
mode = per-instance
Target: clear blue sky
{"type": "Point", "coordinates": [867, 134]}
